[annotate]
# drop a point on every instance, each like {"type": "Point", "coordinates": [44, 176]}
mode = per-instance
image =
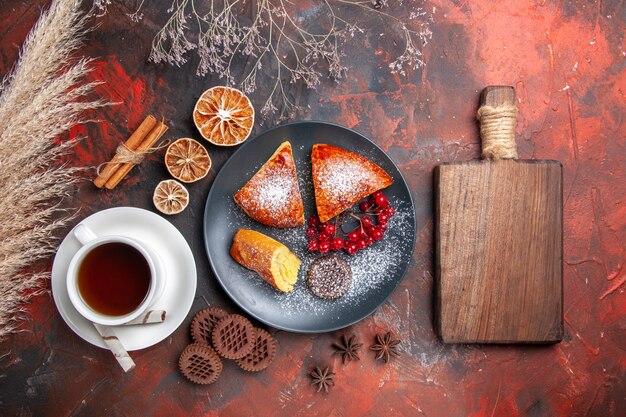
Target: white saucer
{"type": "Point", "coordinates": [177, 260]}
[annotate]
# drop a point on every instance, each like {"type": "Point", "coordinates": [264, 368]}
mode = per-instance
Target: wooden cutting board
{"type": "Point", "coordinates": [499, 246]}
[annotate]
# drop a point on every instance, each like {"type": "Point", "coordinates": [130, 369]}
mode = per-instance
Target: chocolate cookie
{"type": "Point", "coordinates": [200, 364]}
{"type": "Point", "coordinates": [262, 354]}
{"type": "Point", "coordinates": [329, 277]}
{"type": "Point", "coordinates": [203, 323]}
{"type": "Point", "coordinates": [233, 336]}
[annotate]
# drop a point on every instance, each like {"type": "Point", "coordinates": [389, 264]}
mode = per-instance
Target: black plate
{"type": "Point", "coordinates": [377, 270]}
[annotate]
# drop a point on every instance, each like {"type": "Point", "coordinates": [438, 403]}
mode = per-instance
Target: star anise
{"type": "Point", "coordinates": [322, 378]}
{"type": "Point", "coordinates": [348, 348]}
{"type": "Point", "coordinates": [385, 346]}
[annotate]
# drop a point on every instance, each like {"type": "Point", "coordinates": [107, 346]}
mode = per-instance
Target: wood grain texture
{"type": "Point", "coordinates": [499, 251]}
{"type": "Point", "coordinates": [498, 95]}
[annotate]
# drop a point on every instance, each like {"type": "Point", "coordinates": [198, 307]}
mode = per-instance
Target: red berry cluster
{"type": "Point", "coordinates": [324, 237]}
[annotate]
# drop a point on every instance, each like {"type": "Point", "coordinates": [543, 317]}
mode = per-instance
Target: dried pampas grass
{"type": "Point", "coordinates": [41, 98]}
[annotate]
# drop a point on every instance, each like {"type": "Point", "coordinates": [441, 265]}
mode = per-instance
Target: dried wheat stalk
{"type": "Point", "coordinates": [42, 98]}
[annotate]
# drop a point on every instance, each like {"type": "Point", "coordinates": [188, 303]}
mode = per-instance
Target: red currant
{"type": "Point", "coordinates": [377, 234]}
{"type": "Point", "coordinates": [337, 243]}
{"type": "Point", "coordinates": [381, 200]}
{"type": "Point", "coordinates": [324, 237]}
{"type": "Point", "coordinates": [353, 236]}
{"type": "Point", "coordinates": [351, 248]}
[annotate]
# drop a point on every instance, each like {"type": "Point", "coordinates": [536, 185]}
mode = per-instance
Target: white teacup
{"type": "Point", "coordinates": [90, 241]}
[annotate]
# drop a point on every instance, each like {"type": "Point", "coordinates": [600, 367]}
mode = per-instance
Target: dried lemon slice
{"type": "Point", "coordinates": [170, 197]}
{"type": "Point", "coordinates": [187, 160]}
{"type": "Point", "coordinates": [224, 116]}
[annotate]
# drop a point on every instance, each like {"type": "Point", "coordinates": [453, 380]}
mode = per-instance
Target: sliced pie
{"type": "Point", "coordinates": [272, 196]}
{"type": "Point", "coordinates": [341, 178]}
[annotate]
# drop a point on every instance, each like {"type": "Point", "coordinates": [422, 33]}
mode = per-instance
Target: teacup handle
{"type": "Point", "coordinates": [84, 234]}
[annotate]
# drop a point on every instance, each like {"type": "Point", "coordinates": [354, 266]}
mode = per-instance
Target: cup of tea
{"type": "Point", "coordinates": [112, 279]}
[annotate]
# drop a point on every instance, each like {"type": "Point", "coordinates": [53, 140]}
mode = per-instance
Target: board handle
{"type": "Point", "coordinates": [497, 116]}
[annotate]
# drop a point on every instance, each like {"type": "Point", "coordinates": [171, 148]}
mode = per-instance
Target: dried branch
{"type": "Point", "coordinates": [270, 34]}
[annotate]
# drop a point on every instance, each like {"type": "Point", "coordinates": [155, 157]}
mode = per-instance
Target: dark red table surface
{"type": "Point", "coordinates": [567, 62]}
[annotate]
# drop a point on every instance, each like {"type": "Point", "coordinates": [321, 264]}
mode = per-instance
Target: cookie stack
{"type": "Point", "coordinates": [216, 333]}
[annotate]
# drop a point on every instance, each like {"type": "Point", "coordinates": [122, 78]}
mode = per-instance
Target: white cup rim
{"type": "Point", "coordinates": [72, 282]}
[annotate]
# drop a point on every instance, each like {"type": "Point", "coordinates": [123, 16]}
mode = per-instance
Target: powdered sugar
{"type": "Point", "coordinates": [276, 191]}
{"type": "Point", "coordinates": [345, 179]}
{"type": "Point", "coordinates": [372, 268]}
{"type": "Point", "coordinates": [273, 194]}
{"type": "Point", "coordinates": [375, 270]}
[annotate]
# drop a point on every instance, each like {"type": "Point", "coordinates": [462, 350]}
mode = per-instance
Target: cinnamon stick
{"type": "Point", "coordinates": [155, 134]}
{"type": "Point", "coordinates": [132, 143]}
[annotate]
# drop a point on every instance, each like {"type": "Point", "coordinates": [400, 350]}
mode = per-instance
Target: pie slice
{"type": "Point", "coordinates": [272, 196]}
{"type": "Point", "coordinates": [341, 178]}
